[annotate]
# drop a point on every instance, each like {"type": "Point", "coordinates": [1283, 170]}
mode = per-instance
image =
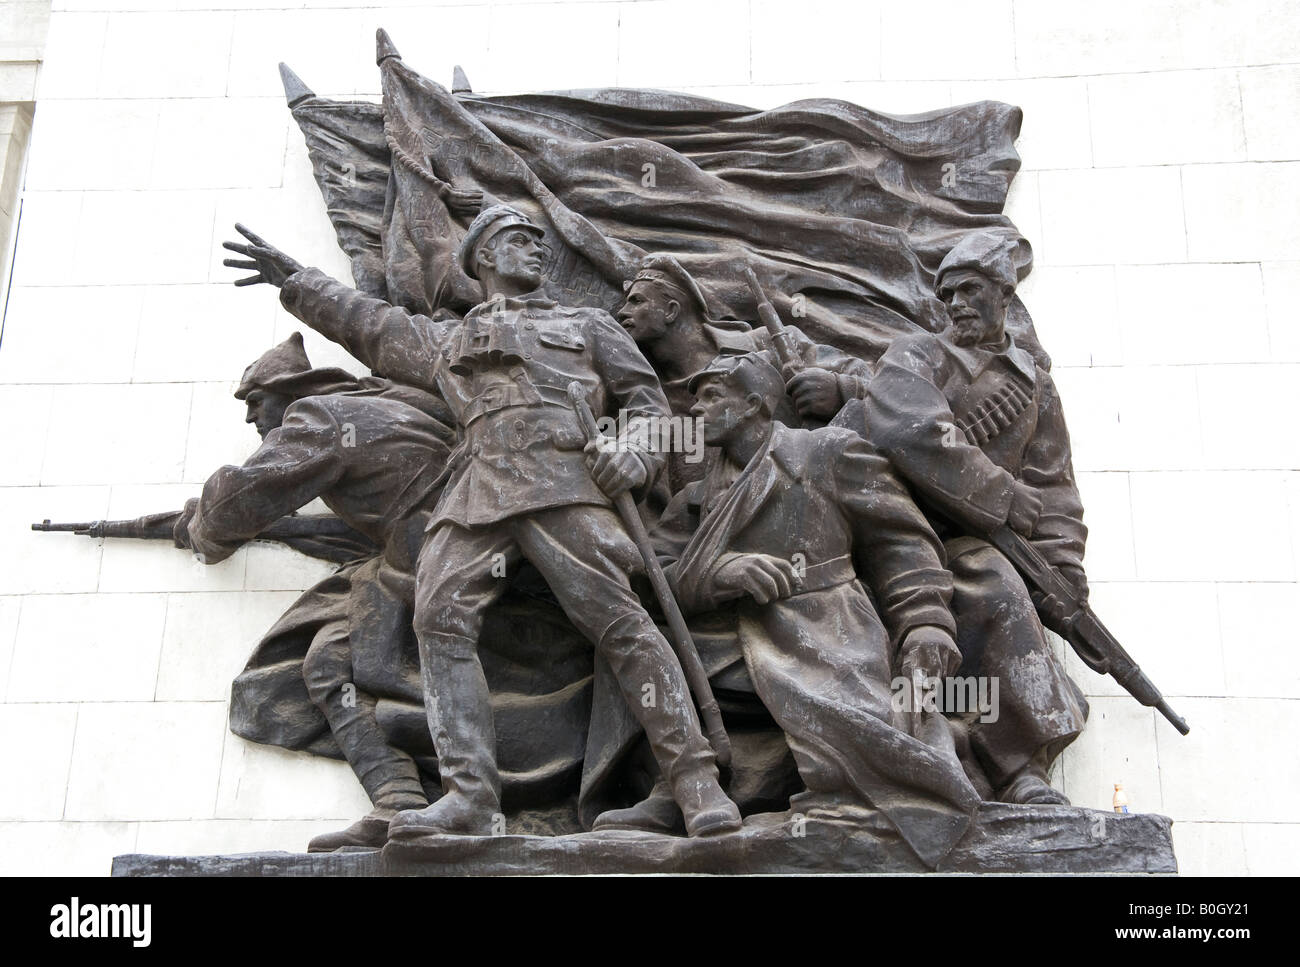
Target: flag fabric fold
{"type": "Point", "coordinates": [843, 213]}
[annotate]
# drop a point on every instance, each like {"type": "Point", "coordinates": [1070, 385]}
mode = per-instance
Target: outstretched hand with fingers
{"type": "Point", "coordinates": [272, 265]}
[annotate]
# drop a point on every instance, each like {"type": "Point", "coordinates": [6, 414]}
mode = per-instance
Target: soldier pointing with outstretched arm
{"type": "Point", "coordinates": [523, 484]}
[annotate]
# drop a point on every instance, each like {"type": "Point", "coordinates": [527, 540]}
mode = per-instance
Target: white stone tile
{"type": "Point", "coordinates": [1183, 531]}
{"type": "Point", "coordinates": [277, 567]}
{"type": "Point", "coordinates": [117, 434]}
{"type": "Point", "coordinates": [87, 648]}
{"type": "Point", "coordinates": [202, 333]}
{"type": "Point", "coordinates": [1054, 133]}
{"type": "Point", "coordinates": [1075, 313]}
{"type": "Point", "coordinates": [144, 237]}
{"type": "Point", "coordinates": [1132, 418]}
{"type": "Point", "coordinates": [1024, 208]}
{"type": "Point", "coordinates": [653, 50]}
{"type": "Point", "coordinates": [1192, 313]}
{"type": "Point", "coordinates": [1107, 510]}
{"type": "Point", "coordinates": [122, 132]}
{"type": "Point", "coordinates": [63, 849]}
{"type": "Point", "coordinates": [1281, 294]}
{"type": "Point", "coordinates": [1118, 35]}
{"type": "Point", "coordinates": [47, 238]}
{"type": "Point", "coordinates": [18, 81]}
{"type": "Point", "coordinates": [22, 439]}
{"type": "Point", "coordinates": [1162, 118]}
{"type": "Point", "coordinates": [23, 23]}
{"type": "Point", "coordinates": [230, 143]}
{"type": "Point", "coordinates": [586, 47]}
{"type": "Point", "coordinates": [1170, 629]}
{"type": "Point", "coordinates": [1118, 745]}
{"type": "Point", "coordinates": [132, 565]}
{"type": "Point", "coordinates": [1263, 439]}
{"type": "Point", "coordinates": [74, 51]}
{"type": "Point", "coordinates": [146, 760]}
{"type": "Point", "coordinates": [162, 54]}
{"type": "Point", "coordinates": [10, 607]}
{"type": "Point", "coordinates": [1236, 765]}
{"type": "Point", "coordinates": [267, 782]}
{"type": "Point", "coordinates": [1242, 212]}
{"type": "Point", "coordinates": [34, 758]}
{"type": "Point", "coordinates": [949, 39]}
{"type": "Point", "coordinates": [226, 836]}
{"type": "Point", "coordinates": [326, 48]}
{"type": "Point", "coordinates": [218, 433]}
{"type": "Point", "coordinates": [1268, 98]}
{"type": "Point", "coordinates": [1122, 215]}
{"type": "Point", "coordinates": [1260, 639]}
{"type": "Point", "coordinates": [72, 334]}
{"type": "Point", "coordinates": [1091, 400]}
{"type": "Point", "coordinates": [818, 40]}
{"type": "Point", "coordinates": [49, 563]}
{"type": "Point", "coordinates": [1272, 848]}
{"type": "Point", "coordinates": [1210, 849]}
{"type": "Point", "coordinates": [209, 637]}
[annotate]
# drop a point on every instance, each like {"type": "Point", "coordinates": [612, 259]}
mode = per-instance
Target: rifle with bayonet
{"type": "Point", "coordinates": [1091, 640]}
{"type": "Point", "coordinates": [316, 535]}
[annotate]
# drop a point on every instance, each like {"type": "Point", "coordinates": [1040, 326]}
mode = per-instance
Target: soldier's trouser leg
{"type": "Point", "coordinates": [460, 574]}
{"type": "Point", "coordinates": [585, 555]}
{"type": "Point", "coordinates": [1039, 710]}
{"type": "Point", "coordinates": [388, 775]}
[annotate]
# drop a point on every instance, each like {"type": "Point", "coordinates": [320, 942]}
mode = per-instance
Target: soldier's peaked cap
{"type": "Point", "coordinates": [492, 219]}
{"type": "Point", "coordinates": [751, 371]}
{"type": "Point", "coordinates": [1003, 256]}
{"type": "Point", "coordinates": [667, 271]}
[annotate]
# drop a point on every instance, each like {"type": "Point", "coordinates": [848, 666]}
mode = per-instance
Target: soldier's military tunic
{"type": "Point", "coordinates": [962, 425]}
{"type": "Point", "coordinates": [519, 486]}
{"type": "Point", "coordinates": [374, 462]}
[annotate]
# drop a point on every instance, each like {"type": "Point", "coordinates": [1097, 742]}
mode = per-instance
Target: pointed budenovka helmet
{"type": "Point", "coordinates": [1000, 254]}
{"type": "Point", "coordinates": [286, 369]}
{"type": "Point", "coordinates": [492, 219]}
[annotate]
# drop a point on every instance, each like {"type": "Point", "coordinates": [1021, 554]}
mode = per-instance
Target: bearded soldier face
{"type": "Point", "coordinates": [976, 304]}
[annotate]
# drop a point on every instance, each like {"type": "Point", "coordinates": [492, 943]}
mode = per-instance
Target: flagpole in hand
{"type": "Point", "coordinates": [683, 644]}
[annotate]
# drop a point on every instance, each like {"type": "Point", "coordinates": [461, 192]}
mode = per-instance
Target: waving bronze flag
{"type": "Point", "coordinates": [843, 213]}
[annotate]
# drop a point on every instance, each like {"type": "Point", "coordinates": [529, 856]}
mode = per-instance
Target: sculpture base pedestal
{"type": "Point", "coordinates": [1004, 839]}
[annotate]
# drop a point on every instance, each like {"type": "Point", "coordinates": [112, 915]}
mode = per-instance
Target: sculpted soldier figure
{"type": "Point", "coordinates": [666, 313]}
{"type": "Point", "coordinates": [373, 459]}
{"type": "Point", "coordinates": [782, 537]}
{"type": "Point", "coordinates": [523, 484]}
{"type": "Point", "coordinates": [977, 429]}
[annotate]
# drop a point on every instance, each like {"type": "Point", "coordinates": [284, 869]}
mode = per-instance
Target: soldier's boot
{"type": "Point", "coordinates": [459, 709]}
{"type": "Point", "coordinates": [642, 662]}
{"type": "Point", "coordinates": [1030, 787]}
{"type": "Point", "coordinates": [707, 809]}
{"type": "Point", "coordinates": [389, 776]}
{"type": "Point", "coordinates": [657, 813]}
{"type": "Point", "coordinates": [370, 831]}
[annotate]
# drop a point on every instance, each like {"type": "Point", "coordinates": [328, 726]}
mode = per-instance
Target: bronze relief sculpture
{"type": "Point", "coordinates": [707, 511]}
